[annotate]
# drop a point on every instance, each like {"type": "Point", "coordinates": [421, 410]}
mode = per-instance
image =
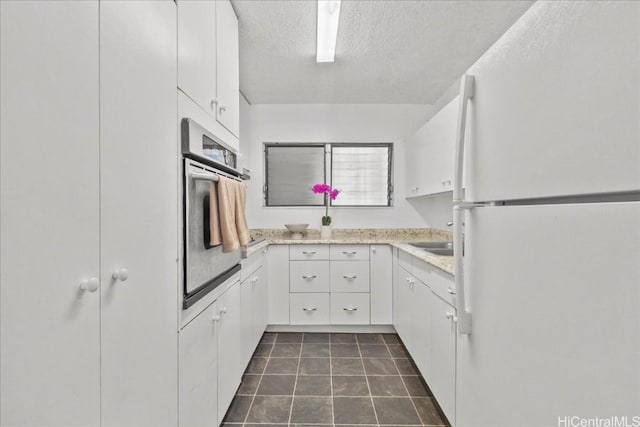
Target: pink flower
{"type": "Point", "coordinates": [321, 188]}
{"type": "Point", "coordinates": [334, 193]}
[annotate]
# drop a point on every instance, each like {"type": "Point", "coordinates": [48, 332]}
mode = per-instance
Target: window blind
{"type": "Point", "coordinates": [362, 173]}
{"type": "Point", "coordinates": [291, 171]}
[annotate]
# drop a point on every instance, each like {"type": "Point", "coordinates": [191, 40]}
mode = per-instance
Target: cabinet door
{"type": "Point", "coordinates": [229, 347]}
{"type": "Point", "coordinates": [443, 356]}
{"type": "Point", "coordinates": [247, 322]}
{"type": "Point", "coordinates": [228, 67]}
{"type": "Point", "coordinates": [197, 52]}
{"type": "Point", "coordinates": [405, 307]}
{"type": "Point", "coordinates": [381, 277]}
{"type": "Point", "coordinates": [199, 370]}
{"type": "Point", "coordinates": [49, 227]}
{"type": "Point", "coordinates": [139, 222]}
{"type": "Point", "coordinates": [259, 305]}
{"type": "Point", "coordinates": [278, 282]}
{"type": "Point", "coordinates": [421, 328]}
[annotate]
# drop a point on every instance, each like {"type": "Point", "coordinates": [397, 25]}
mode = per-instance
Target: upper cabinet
{"type": "Point", "coordinates": [208, 66]}
{"type": "Point", "coordinates": [197, 52]}
{"type": "Point", "coordinates": [228, 68]}
{"type": "Point", "coordinates": [430, 154]}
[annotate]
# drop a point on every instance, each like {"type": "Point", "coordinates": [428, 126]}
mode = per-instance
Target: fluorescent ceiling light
{"type": "Point", "coordinates": [328, 18]}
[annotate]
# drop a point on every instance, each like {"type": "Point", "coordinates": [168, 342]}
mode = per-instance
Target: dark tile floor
{"type": "Point", "coordinates": [347, 379]}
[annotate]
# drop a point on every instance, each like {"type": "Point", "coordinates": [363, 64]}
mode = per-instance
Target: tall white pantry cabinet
{"type": "Point", "coordinates": [89, 188]}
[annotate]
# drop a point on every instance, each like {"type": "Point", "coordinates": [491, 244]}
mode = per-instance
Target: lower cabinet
{"type": "Point", "coordinates": [198, 355]}
{"type": "Point", "coordinates": [309, 308]}
{"type": "Point", "coordinates": [230, 366]}
{"type": "Point", "coordinates": [442, 377]}
{"type": "Point", "coordinates": [424, 317]}
{"type": "Point", "coordinates": [253, 297]}
{"type": "Point", "coordinates": [350, 308]}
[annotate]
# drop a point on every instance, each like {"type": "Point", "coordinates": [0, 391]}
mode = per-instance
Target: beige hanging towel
{"type": "Point", "coordinates": [215, 238]}
{"type": "Point", "coordinates": [241, 219]}
{"type": "Point", "coordinates": [227, 211]}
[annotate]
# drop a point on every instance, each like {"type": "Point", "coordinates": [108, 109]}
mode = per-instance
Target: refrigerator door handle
{"type": "Point", "coordinates": [464, 316]}
{"type": "Point", "coordinates": [466, 93]}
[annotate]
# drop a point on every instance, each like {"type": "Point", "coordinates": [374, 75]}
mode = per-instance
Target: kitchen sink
{"type": "Point", "coordinates": [435, 248]}
{"type": "Point", "coordinates": [432, 245]}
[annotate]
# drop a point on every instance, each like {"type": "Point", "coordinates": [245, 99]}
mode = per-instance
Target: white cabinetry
{"type": "Point", "coordinates": [442, 378]}
{"type": "Point", "coordinates": [228, 67]}
{"type": "Point", "coordinates": [424, 317]}
{"type": "Point", "coordinates": [105, 97]}
{"type": "Point", "coordinates": [49, 154]}
{"type": "Point", "coordinates": [278, 285]}
{"type": "Point", "coordinates": [197, 52]}
{"type": "Point", "coordinates": [230, 366]}
{"type": "Point", "coordinates": [137, 126]}
{"type": "Point", "coordinates": [381, 279]}
{"type": "Point", "coordinates": [430, 154]}
{"type": "Point", "coordinates": [198, 358]}
{"type": "Point", "coordinates": [208, 66]}
{"type": "Point", "coordinates": [253, 298]}
{"type": "Point", "coordinates": [339, 286]}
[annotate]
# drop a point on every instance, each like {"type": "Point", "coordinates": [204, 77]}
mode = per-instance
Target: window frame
{"type": "Point", "coordinates": [328, 170]}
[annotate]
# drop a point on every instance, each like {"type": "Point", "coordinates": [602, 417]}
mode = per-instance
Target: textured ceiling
{"type": "Point", "coordinates": [390, 52]}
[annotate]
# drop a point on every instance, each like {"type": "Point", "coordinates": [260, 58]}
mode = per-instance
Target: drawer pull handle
{"type": "Point", "coordinates": [308, 253]}
{"type": "Point", "coordinates": [451, 291]}
{"type": "Point", "coordinates": [309, 309]}
{"type": "Point", "coordinates": [309, 277]}
{"type": "Point", "coordinates": [349, 277]}
{"type": "Point", "coordinates": [350, 309]}
{"type": "Point", "coordinates": [349, 253]}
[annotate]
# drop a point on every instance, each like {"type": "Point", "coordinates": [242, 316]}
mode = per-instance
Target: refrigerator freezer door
{"type": "Point", "coordinates": [556, 105]}
{"type": "Point", "coordinates": [554, 293]}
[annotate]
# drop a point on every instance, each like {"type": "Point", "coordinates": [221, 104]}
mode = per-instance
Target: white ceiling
{"type": "Point", "coordinates": [388, 52]}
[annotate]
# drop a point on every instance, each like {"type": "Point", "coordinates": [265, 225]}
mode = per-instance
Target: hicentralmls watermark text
{"type": "Point", "coordinates": [613, 421]}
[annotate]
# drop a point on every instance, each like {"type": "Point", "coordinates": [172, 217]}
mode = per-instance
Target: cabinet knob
{"type": "Point", "coordinates": [214, 102]}
{"type": "Point", "coordinates": [450, 315]}
{"type": "Point", "coordinates": [90, 285]}
{"type": "Point", "coordinates": [374, 249]}
{"type": "Point", "coordinates": [349, 253]}
{"type": "Point", "coordinates": [223, 310]}
{"type": "Point", "coordinates": [309, 277]}
{"type": "Point", "coordinates": [222, 109]}
{"type": "Point", "coordinates": [350, 309]}
{"type": "Point", "coordinates": [451, 291]}
{"type": "Point", "coordinates": [349, 277]}
{"type": "Point", "coordinates": [254, 279]}
{"type": "Point", "coordinates": [216, 318]}
{"type": "Point", "coordinates": [308, 253]}
{"type": "Point", "coordinates": [309, 309]}
{"type": "Point", "coordinates": [121, 274]}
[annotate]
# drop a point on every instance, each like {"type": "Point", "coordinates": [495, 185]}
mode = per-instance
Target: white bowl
{"type": "Point", "coordinates": [296, 230]}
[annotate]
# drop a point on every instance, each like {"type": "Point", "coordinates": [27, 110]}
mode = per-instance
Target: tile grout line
{"type": "Point", "coordinates": [296, 383]}
{"type": "Point", "coordinates": [255, 393]}
{"type": "Point", "coordinates": [333, 412]}
{"type": "Point", "coordinates": [405, 385]}
{"type": "Point", "coordinates": [366, 378]}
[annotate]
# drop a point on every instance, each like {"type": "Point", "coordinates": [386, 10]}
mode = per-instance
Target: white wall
{"type": "Point", "coordinates": [336, 123]}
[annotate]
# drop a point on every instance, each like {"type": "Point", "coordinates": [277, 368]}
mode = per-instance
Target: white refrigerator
{"type": "Point", "coordinates": [547, 228]}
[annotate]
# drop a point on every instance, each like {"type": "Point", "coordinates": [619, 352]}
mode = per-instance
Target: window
{"type": "Point", "coordinates": [362, 171]}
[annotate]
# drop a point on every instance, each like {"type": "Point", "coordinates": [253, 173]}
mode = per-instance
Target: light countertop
{"type": "Point", "coordinates": [394, 237]}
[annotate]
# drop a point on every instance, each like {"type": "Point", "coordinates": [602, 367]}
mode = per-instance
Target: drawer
{"type": "Point", "coordinates": [350, 252]}
{"type": "Point", "coordinates": [350, 309]}
{"type": "Point", "coordinates": [308, 252]}
{"type": "Point", "coordinates": [252, 264]}
{"type": "Point", "coordinates": [404, 259]}
{"type": "Point", "coordinates": [422, 271]}
{"type": "Point", "coordinates": [309, 276]}
{"type": "Point", "coordinates": [349, 276]}
{"type": "Point", "coordinates": [309, 309]}
{"type": "Point", "coordinates": [442, 284]}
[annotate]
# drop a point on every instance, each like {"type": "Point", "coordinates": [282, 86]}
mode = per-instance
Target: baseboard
{"type": "Point", "coordinates": [333, 328]}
